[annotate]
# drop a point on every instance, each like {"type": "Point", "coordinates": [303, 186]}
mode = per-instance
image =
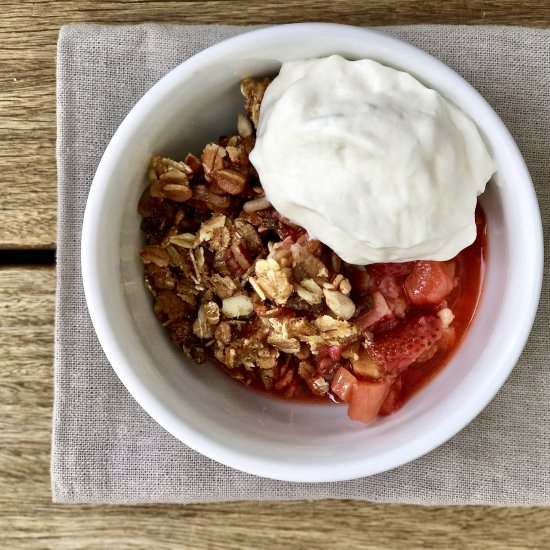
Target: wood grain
{"type": "Point", "coordinates": [28, 34]}
{"type": "Point", "coordinates": [28, 519]}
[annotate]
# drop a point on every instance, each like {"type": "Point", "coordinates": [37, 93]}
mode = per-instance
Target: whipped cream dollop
{"type": "Point", "coordinates": [370, 161]}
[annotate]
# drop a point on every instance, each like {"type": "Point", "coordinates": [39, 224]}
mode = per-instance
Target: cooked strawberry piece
{"type": "Point", "coordinates": [379, 311]}
{"type": "Point", "coordinates": [366, 399]}
{"type": "Point", "coordinates": [342, 383]}
{"type": "Point", "coordinates": [390, 269]}
{"type": "Point", "coordinates": [393, 400]}
{"type": "Point", "coordinates": [401, 346]}
{"type": "Point", "coordinates": [429, 282]}
{"type": "Point", "coordinates": [390, 288]}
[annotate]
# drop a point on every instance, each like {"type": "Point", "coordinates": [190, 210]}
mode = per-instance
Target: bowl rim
{"type": "Point", "coordinates": [146, 398]}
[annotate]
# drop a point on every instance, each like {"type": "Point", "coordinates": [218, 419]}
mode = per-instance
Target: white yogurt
{"type": "Point", "coordinates": [370, 161]}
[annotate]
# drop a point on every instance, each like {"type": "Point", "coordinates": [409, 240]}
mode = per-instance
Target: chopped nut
{"type": "Point", "coordinates": [337, 280]}
{"type": "Point", "coordinates": [256, 205]}
{"type": "Point", "coordinates": [176, 192]}
{"type": "Point", "coordinates": [237, 306]}
{"type": "Point", "coordinates": [175, 176]}
{"type": "Point", "coordinates": [221, 238]}
{"type": "Point", "coordinates": [342, 306]}
{"type": "Point", "coordinates": [155, 255]}
{"type": "Point", "coordinates": [253, 90]}
{"type": "Point", "coordinates": [244, 127]}
{"type": "Point", "coordinates": [307, 266]}
{"type": "Point", "coordinates": [208, 227]}
{"type": "Point", "coordinates": [345, 287]}
{"type": "Point", "coordinates": [194, 163]}
{"type": "Point", "coordinates": [236, 154]}
{"type": "Point", "coordinates": [446, 315]}
{"type": "Point", "coordinates": [249, 234]}
{"type": "Point", "coordinates": [292, 327]}
{"type": "Point", "coordinates": [212, 158]}
{"type": "Point", "coordinates": [229, 181]}
{"type": "Point", "coordinates": [162, 165]}
{"type": "Point", "coordinates": [310, 291]}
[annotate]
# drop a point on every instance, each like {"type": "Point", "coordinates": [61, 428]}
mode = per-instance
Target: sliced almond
{"type": "Point", "coordinates": [237, 306]}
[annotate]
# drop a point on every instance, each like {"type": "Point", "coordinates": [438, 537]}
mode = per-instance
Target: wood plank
{"type": "Point", "coordinates": [28, 519]}
{"type": "Point", "coordinates": [28, 34]}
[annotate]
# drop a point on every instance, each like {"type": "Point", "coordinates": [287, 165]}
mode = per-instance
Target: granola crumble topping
{"type": "Point", "coordinates": [236, 283]}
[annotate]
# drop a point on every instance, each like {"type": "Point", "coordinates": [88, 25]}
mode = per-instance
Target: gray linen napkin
{"type": "Point", "coordinates": [106, 449]}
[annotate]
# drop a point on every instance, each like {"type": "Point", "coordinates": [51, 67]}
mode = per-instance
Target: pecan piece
{"type": "Point", "coordinates": [212, 158]}
{"type": "Point", "coordinates": [155, 255]}
{"type": "Point", "coordinates": [194, 163]}
{"type": "Point", "coordinates": [229, 181]}
{"type": "Point", "coordinates": [253, 90]}
{"type": "Point", "coordinates": [176, 192]}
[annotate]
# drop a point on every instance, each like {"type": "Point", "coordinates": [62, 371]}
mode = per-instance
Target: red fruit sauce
{"type": "Point", "coordinates": [462, 300]}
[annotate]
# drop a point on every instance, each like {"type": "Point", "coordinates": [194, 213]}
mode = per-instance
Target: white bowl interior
{"type": "Point", "coordinates": [204, 407]}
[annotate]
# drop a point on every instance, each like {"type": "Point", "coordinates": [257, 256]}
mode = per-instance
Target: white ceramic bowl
{"type": "Point", "coordinates": [197, 102]}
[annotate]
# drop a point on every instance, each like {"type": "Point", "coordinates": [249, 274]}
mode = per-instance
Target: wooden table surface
{"type": "Point", "coordinates": [28, 519]}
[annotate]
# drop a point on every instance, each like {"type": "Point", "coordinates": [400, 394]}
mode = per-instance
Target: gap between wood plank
{"type": "Point", "coordinates": [23, 257]}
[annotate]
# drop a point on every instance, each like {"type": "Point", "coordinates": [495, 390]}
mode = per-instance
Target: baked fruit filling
{"type": "Point", "coordinates": [237, 284]}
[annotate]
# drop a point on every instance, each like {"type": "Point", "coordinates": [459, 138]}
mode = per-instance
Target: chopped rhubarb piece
{"type": "Point", "coordinates": [429, 282]}
{"type": "Point", "coordinates": [401, 346]}
{"type": "Point", "coordinates": [366, 399]}
{"type": "Point", "coordinates": [393, 400]}
{"type": "Point", "coordinates": [342, 384]}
